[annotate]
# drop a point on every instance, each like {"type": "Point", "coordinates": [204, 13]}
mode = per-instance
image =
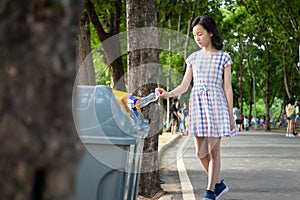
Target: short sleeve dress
{"type": "Point", "coordinates": [209, 115]}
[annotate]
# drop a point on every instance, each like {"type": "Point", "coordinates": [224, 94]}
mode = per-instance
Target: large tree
{"type": "Point", "coordinates": [142, 79]}
{"type": "Point", "coordinates": [39, 147]}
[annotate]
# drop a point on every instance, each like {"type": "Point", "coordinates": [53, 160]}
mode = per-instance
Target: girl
{"type": "Point", "coordinates": [290, 113]}
{"type": "Point", "coordinates": [211, 115]}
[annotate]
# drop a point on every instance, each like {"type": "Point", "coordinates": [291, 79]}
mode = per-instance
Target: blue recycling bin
{"type": "Point", "coordinates": [113, 141]}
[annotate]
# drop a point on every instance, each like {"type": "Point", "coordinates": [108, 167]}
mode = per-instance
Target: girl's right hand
{"type": "Point", "coordinates": [161, 93]}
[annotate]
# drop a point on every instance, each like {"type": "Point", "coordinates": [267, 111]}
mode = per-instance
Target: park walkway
{"type": "Point", "coordinates": [255, 165]}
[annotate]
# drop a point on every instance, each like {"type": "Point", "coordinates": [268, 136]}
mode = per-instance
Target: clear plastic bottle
{"type": "Point", "coordinates": [148, 99]}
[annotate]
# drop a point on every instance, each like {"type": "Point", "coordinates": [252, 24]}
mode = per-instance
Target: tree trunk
{"type": "Point", "coordinates": [250, 100]}
{"type": "Point", "coordinates": [142, 79]}
{"type": "Point", "coordinates": [241, 84]}
{"type": "Point", "coordinates": [169, 72]}
{"type": "Point", "coordinates": [285, 73]}
{"type": "Point", "coordinates": [179, 18]}
{"type": "Point", "coordinates": [267, 102]}
{"type": "Point", "coordinates": [267, 95]}
{"type": "Point", "coordinates": [85, 66]}
{"type": "Point", "coordinates": [39, 148]}
{"type": "Point", "coordinates": [282, 109]}
{"type": "Point", "coordinates": [111, 47]}
{"type": "Point", "coordinates": [189, 23]}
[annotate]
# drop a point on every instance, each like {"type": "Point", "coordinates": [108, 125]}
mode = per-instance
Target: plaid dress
{"type": "Point", "coordinates": [209, 116]}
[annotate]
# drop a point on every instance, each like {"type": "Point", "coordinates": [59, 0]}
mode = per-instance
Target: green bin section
{"type": "Point", "coordinates": [109, 169]}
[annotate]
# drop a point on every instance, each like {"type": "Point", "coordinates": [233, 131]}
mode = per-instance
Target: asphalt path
{"type": "Point", "coordinates": [255, 166]}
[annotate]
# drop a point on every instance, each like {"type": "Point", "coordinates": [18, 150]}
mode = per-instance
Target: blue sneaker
{"type": "Point", "coordinates": [209, 195]}
{"type": "Point", "coordinates": [220, 189]}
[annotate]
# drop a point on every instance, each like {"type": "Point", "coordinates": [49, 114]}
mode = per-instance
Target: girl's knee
{"type": "Point", "coordinates": [198, 154]}
{"type": "Point", "coordinates": [214, 153]}
{"type": "Point", "coordinates": [201, 155]}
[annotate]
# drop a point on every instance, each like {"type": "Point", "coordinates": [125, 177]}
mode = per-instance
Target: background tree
{"type": "Point", "coordinates": [257, 41]}
{"type": "Point", "coordinates": [85, 66]}
{"type": "Point", "coordinates": [39, 147]}
{"type": "Point", "coordinates": [110, 16]}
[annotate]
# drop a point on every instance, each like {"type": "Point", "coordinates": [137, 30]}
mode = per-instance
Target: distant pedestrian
{"type": "Point", "coordinates": [174, 117]}
{"type": "Point", "coordinates": [281, 123]}
{"type": "Point", "coordinates": [253, 121]}
{"type": "Point", "coordinates": [262, 122]}
{"type": "Point", "coordinates": [246, 124]}
{"type": "Point", "coordinates": [238, 119]}
{"type": "Point", "coordinates": [183, 114]}
{"type": "Point", "coordinates": [242, 119]}
{"type": "Point", "coordinates": [210, 107]}
{"type": "Point", "coordinates": [297, 120]}
{"type": "Point", "coordinates": [186, 120]}
{"type": "Point", "coordinates": [290, 113]}
{"type": "Point", "coordinates": [182, 118]}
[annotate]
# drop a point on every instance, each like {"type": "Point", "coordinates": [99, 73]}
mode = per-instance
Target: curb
{"type": "Point", "coordinates": [166, 197]}
{"type": "Point", "coordinates": [163, 148]}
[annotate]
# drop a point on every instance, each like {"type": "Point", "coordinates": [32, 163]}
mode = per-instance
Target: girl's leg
{"type": "Point", "coordinates": [172, 130]}
{"type": "Point", "coordinates": [201, 151]}
{"type": "Point", "coordinates": [214, 163]}
{"type": "Point", "coordinates": [296, 126]}
{"type": "Point", "coordinates": [208, 151]}
{"type": "Point", "coordinates": [293, 127]}
{"type": "Point", "coordinates": [290, 126]}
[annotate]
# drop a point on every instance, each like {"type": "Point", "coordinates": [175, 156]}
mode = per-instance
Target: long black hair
{"type": "Point", "coordinates": [291, 101]}
{"type": "Point", "coordinates": [210, 25]}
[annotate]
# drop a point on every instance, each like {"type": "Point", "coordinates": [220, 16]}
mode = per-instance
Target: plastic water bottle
{"type": "Point", "coordinates": [148, 99]}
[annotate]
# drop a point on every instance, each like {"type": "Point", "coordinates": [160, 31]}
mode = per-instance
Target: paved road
{"type": "Point", "coordinates": [255, 166]}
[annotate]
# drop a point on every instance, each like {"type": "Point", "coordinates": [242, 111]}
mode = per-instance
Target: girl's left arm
{"type": "Point", "coordinates": [228, 93]}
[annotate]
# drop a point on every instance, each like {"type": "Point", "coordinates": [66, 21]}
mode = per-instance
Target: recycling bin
{"type": "Point", "coordinates": [113, 141]}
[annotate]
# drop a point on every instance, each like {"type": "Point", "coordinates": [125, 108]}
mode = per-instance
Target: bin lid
{"type": "Point", "coordinates": [97, 113]}
{"type": "Point", "coordinates": [108, 140]}
{"type": "Point", "coordinates": [96, 106]}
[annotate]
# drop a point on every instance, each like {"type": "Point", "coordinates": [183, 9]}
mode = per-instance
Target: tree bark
{"type": "Point", "coordinates": [142, 79]}
{"type": "Point", "coordinates": [241, 84]}
{"type": "Point", "coordinates": [85, 66]}
{"type": "Point", "coordinates": [39, 148]}
{"type": "Point", "coordinates": [169, 72]}
{"type": "Point", "coordinates": [251, 101]}
{"type": "Point", "coordinates": [267, 95]}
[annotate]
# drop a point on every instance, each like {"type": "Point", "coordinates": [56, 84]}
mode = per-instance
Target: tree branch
{"type": "Point", "coordinates": [285, 74]}
{"type": "Point", "coordinates": [115, 18]}
{"type": "Point", "coordinates": [287, 30]}
{"type": "Point", "coordinates": [95, 20]}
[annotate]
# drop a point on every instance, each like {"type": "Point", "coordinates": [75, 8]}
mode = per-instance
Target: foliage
{"type": "Point", "coordinates": [260, 109]}
{"type": "Point", "coordinates": [256, 41]}
{"type": "Point", "coordinates": [256, 33]}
